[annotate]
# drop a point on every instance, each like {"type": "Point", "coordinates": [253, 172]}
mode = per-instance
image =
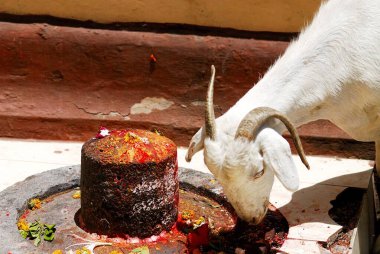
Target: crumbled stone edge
{"type": "Point", "coordinates": [14, 199]}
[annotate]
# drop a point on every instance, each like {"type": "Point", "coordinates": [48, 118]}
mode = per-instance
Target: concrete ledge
{"type": "Point", "coordinates": [60, 82]}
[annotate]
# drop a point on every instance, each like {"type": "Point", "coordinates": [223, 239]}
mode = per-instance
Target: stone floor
{"type": "Point", "coordinates": [306, 210]}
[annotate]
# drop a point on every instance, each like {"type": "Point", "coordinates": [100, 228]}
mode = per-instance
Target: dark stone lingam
{"type": "Point", "coordinates": [129, 184]}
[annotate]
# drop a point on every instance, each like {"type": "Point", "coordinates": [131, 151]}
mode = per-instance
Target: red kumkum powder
{"type": "Point", "coordinates": [134, 145]}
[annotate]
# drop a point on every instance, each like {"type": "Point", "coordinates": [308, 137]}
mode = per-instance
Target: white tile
{"type": "Point", "coordinates": [306, 210]}
{"type": "Point", "coordinates": [15, 171]}
{"type": "Point", "coordinates": [302, 247]}
{"type": "Point", "coordinates": [197, 162]}
{"type": "Point", "coordinates": [22, 158]}
{"type": "Point", "coordinates": [60, 152]}
{"type": "Point", "coordinates": [335, 171]}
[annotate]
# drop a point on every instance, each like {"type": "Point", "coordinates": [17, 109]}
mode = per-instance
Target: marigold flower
{"type": "Point", "coordinates": [22, 224]}
{"type": "Point", "coordinates": [34, 204]}
{"type": "Point", "coordinates": [199, 221]}
{"type": "Point", "coordinates": [187, 215]}
{"type": "Point", "coordinates": [84, 250]}
{"type": "Point", "coordinates": [115, 252]}
{"type": "Point", "coordinates": [76, 195]}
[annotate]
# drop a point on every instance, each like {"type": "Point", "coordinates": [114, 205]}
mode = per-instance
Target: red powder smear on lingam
{"type": "Point", "coordinates": [133, 145]}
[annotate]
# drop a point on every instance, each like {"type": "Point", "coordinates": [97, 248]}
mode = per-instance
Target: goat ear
{"type": "Point", "coordinates": [196, 144]}
{"type": "Point", "coordinates": [277, 156]}
{"type": "Point", "coordinates": [213, 155]}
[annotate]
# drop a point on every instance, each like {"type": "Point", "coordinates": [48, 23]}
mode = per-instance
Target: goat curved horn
{"type": "Point", "coordinates": [255, 119]}
{"type": "Point", "coordinates": [209, 114]}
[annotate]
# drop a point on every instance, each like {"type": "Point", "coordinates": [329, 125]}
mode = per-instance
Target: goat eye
{"type": "Point", "coordinates": [258, 174]}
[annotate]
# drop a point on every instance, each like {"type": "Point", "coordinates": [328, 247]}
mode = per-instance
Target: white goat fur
{"type": "Point", "coordinates": [332, 71]}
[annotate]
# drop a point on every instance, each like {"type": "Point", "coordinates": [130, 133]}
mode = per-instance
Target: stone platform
{"type": "Point", "coordinates": [61, 210]}
{"type": "Point", "coordinates": [308, 210]}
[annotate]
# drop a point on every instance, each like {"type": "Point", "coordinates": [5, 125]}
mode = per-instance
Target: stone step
{"type": "Point", "coordinates": [60, 82]}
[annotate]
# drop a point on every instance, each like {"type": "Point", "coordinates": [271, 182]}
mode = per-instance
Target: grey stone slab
{"type": "Point", "coordinates": [14, 199]}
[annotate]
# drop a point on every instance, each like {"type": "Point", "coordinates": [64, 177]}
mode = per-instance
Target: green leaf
{"type": "Point", "coordinates": [48, 231]}
{"type": "Point", "coordinates": [50, 226]}
{"type": "Point", "coordinates": [49, 237]}
{"type": "Point", "coordinates": [37, 230]}
{"type": "Point", "coordinates": [31, 204]}
{"type": "Point", "coordinates": [37, 241]}
{"type": "Point", "coordinates": [140, 250]}
{"type": "Point", "coordinates": [36, 223]}
{"type": "Point", "coordinates": [24, 234]}
{"type": "Point", "coordinates": [35, 234]}
{"type": "Point", "coordinates": [34, 228]}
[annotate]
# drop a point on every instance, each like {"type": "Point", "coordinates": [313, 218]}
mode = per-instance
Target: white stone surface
{"type": "Point", "coordinates": [307, 211]}
{"type": "Point", "coordinates": [335, 171]}
{"type": "Point", "coordinates": [302, 247]}
{"type": "Point", "coordinates": [22, 158]}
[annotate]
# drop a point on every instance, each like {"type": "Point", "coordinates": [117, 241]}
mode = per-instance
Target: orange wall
{"type": "Point", "coordinates": [254, 15]}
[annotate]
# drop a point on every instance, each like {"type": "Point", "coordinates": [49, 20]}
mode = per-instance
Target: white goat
{"type": "Point", "coordinates": [332, 71]}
